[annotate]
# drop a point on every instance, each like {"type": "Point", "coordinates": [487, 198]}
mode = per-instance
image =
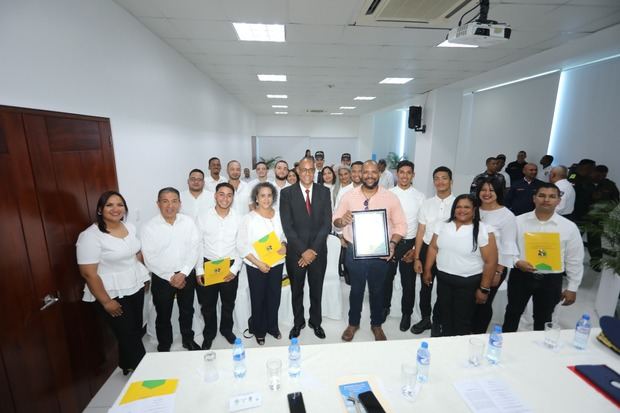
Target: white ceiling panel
{"type": "Point", "coordinates": [329, 59]}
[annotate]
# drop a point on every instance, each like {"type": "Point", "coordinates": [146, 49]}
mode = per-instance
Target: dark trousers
{"type": "Point", "coordinates": [484, 312]}
{"type": "Point", "coordinates": [374, 271]}
{"type": "Point", "coordinates": [457, 300]}
{"type": "Point", "coordinates": [163, 299]}
{"type": "Point", "coordinates": [407, 278]}
{"type": "Point", "coordinates": [316, 275]}
{"type": "Point", "coordinates": [426, 293]}
{"type": "Point", "coordinates": [265, 292]}
{"type": "Point", "coordinates": [545, 290]}
{"type": "Point", "coordinates": [127, 329]}
{"type": "Point", "coordinates": [208, 296]}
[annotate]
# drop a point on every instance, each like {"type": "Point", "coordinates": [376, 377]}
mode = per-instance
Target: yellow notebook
{"type": "Point", "coordinates": [216, 271]}
{"type": "Point", "coordinates": [542, 250]}
{"type": "Point", "coordinates": [149, 388]}
{"type": "Point", "coordinates": [267, 248]}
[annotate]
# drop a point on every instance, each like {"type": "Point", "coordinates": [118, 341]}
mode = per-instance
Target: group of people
{"type": "Point", "coordinates": [466, 244]}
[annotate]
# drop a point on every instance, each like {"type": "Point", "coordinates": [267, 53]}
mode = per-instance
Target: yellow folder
{"type": "Point", "coordinates": [216, 271]}
{"type": "Point", "coordinates": [542, 250]}
{"type": "Point", "coordinates": [149, 388]}
{"type": "Point", "coordinates": [267, 248]}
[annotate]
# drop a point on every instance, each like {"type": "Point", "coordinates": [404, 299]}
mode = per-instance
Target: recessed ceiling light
{"type": "Point", "coordinates": [279, 106]}
{"type": "Point", "coordinates": [396, 80]}
{"type": "Point", "coordinates": [277, 96]}
{"type": "Point", "coordinates": [336, 113]}
{"type": "Point", "coordinates": [272, 78]}
{"type": "Point", "coordinates": [446, 43]}
{"type": "Point", "coordinates": [260, 32]}
{"type": "Point", "coordinates": [364, 98]}
{"type": "Point", "coordinates": [281, 113]}
{"type": "Point", "coordinates": [347, 107]}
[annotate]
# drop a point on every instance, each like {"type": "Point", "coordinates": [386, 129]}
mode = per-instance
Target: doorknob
{"type": "Point", "coordinates": [48, 301]}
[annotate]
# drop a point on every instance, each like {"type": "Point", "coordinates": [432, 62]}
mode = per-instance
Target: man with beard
{"type": "Point", "coordinates": [241, 199]}
{"type": "Point", "coordinates": [196, 199]}
{"type": "Point", "coordinates": [369, 196]}
{"type": "Point", "coordinates": [281, 173]}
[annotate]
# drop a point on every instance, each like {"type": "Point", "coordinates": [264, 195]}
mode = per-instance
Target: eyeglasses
{"type": "Point", "coordinates": [366, 205]}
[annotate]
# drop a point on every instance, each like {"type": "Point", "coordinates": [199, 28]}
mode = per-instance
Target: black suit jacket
{"type": "Point", "coordinates": [305, 231]}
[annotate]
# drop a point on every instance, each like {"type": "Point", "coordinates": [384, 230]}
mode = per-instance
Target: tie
{"type": "Point", "coordinates": [308, 206]}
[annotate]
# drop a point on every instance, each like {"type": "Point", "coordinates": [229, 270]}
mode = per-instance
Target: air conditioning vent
{"type": "Point", "coordinates": [413, 11]}
{"type": "Point", "coordinates": [315, 110]}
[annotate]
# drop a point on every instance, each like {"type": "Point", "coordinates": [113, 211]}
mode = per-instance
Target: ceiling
{"type": "Point", "coordinates": [332, 55]}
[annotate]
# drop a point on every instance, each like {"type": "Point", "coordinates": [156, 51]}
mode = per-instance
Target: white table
{"type": "Point", "coordinates": [536, 374]}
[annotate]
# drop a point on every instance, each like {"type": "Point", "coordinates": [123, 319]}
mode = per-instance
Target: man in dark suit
{"type": "Point", "coordinates": [306, 212]}
{"type": "Point", "coordinates": [520, 197]}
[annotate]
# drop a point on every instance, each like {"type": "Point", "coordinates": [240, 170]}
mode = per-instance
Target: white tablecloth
{"type": "Point", "coordinates": [539, 376]}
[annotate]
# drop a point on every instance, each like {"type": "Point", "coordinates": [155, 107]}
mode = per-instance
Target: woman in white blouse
{"type": "Point", "coordinates": [466, 258]}
{"type": "Point", "coordinates": [107, 255]}
{"type": "Point", "coordinates": [265, 280]}
{"type": "Point", "coordinates": [503, 222]}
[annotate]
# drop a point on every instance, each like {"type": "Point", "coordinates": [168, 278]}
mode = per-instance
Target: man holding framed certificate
{"type": "Point", "coordinates": [372, 222]}
{"type": "Point", "coordinates": [550, 247]}
{"type": "Point", "coordinates": [217, 272]}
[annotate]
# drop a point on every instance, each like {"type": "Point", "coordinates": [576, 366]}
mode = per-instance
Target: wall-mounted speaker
{"type": "Point", "coordinates": [415, 119]}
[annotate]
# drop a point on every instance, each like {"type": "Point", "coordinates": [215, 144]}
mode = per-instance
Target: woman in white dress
{"type": "Point", "coordinates": [503, 224]}
{"type": "Point", "coordinates": [265, 281]}
{"type": "Point", "coordinates": [108, 255]}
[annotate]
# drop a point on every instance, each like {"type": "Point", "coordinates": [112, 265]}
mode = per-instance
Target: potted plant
{"type": "Point", "coordinates": [605, 220]}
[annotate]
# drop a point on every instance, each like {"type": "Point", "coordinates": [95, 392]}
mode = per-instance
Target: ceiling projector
{"type": "Point", "coordinates": [480, 34]}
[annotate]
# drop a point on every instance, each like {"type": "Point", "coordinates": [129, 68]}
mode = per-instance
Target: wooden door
{"type": "Point", "coordinates": [58, 164]}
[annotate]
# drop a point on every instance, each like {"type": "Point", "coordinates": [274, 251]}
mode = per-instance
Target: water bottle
{"type": "Point", "coordinates": [423, 362]}
{"type": "Point", "coordinates": [494, 349]}
{"type": "Point", "coordinates": [294, 358]}
{"type": "Point", "coordinates": [582, 332]}
{"type": "Point", "coordinates": [239, 369]}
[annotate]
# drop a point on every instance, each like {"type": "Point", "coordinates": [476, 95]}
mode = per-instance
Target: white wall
{"type": "Point", "coordinates": [315, 132]}
{"type": "Point", "coordinates": [586, 123]}
{"type": "Point", "coordinates": [504, 120]}
{"type": "Point", "coordinates": [94, 58]}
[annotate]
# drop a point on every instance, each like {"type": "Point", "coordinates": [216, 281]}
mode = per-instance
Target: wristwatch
{"type": "Point", "coordinates": [484, 290]}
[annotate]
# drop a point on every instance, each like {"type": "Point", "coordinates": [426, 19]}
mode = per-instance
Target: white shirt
{"type": "Point", "coordinates": [343, 190]}
{"type": "Point", "coordinates": [503, 224]}
{"type": "Point", "coordinates": [434, 210]}
{"type": "Point", "coordinates": [411, 200]}
{"type": "Point", "coordinates": [168, 248]}
{"type": "Point", "coordinates": [218, 237]}
{"type": "Point", "coordinates": [276, 205]}
{"type": "Point", "coordinates": [241, 200]}
{"type": "Point", "coordinates": [454, 249]}
{"type": "Point", "coordinates": [386, 179]}
{"type": "Point", "coordinates": [571, 244]}
{"type": "Point", "coordinates": [194, 206]}
{"type": "Point", "coordinates": [254, 227]}
{"type": "Point", "coordinates": [211, 184]}
{"type": "Point", "coordinates": [567, 200]}
{"type": "Point", "coordinates": [117, 265]}
{"type": "Point", "coordinates": [543, 173]}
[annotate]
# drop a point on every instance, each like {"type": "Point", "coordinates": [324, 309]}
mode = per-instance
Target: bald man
{"type": "Point", "coordinates": [520, 197]}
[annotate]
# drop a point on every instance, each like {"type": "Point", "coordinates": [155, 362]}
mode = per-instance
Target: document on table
{"type": "Point", "coordinates": [148, 396]}
{"type": "Point", "coordinates": [490, 395]}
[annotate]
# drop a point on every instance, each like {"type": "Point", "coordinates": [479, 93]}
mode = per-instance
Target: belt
{"type": "Point", "coordinates": [539, 276]}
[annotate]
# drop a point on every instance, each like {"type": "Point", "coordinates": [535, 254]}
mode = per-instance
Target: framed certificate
{"type": "Point", "coordinates": [370, 234]}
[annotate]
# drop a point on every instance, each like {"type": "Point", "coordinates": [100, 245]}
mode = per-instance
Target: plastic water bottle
{"type": "Point", "coordinates": [582, 332]}
{"type": "Point", "coordinates": [494, 349]}
{"type": "Point", "coordinates": [423, 362]}
{"type": "Point", "coordinates": [239, 368]}
{"type": "Point", "coordinates": [294, 358]}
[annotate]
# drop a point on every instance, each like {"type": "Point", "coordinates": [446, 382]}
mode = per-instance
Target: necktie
{"type": "Point", "coordinates": [308, 206]}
